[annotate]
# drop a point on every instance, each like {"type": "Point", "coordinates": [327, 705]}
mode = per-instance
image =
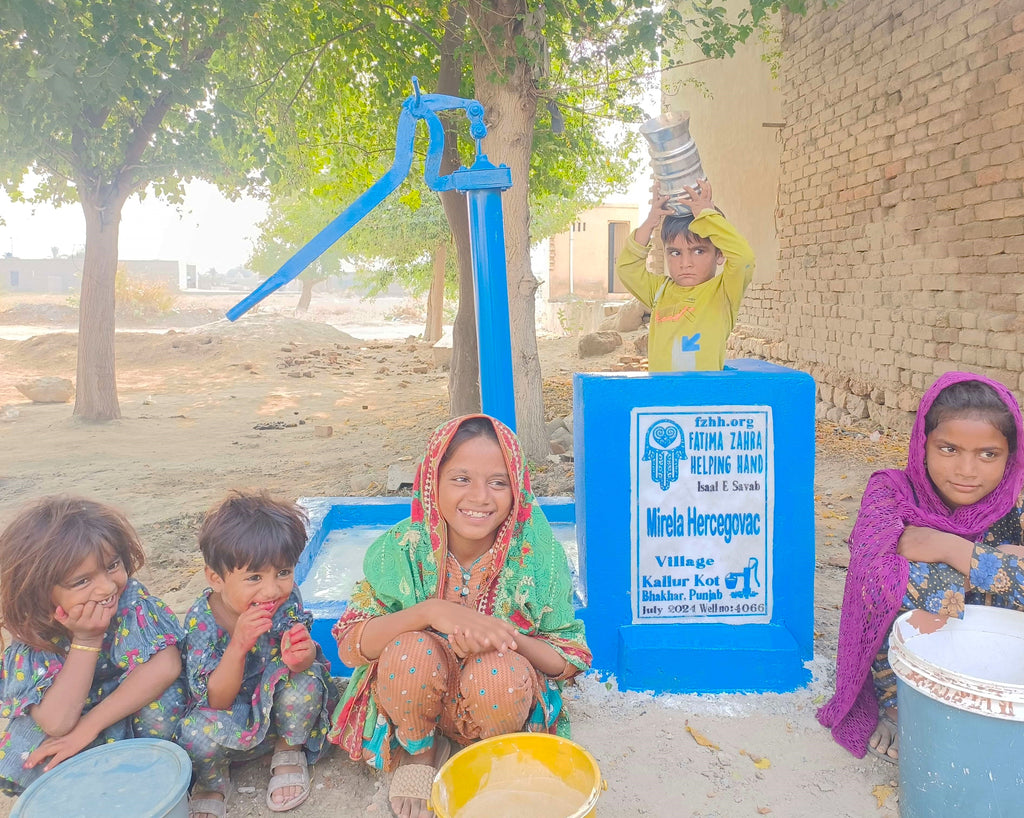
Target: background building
{"type": "Point", "coordinates": [64, 275]}
{"type": "Point", "coordinates": [879, 179]}
{"type": "Point", "coordinates": [581, 260]}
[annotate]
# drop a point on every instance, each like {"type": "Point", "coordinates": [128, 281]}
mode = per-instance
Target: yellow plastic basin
{"type": "Point", "coordinates": [519, 774]}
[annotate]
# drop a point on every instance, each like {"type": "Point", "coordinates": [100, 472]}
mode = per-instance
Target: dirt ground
{"type": "Point", "coordinates": [212, 405]}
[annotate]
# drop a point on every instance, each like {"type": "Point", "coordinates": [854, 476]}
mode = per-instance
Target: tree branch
{"type": "Point", "coordinates": [398, 18]}
{"type": "Point", "coordinates": [305, 77]}
{"type": "Point", "coordinates": [154, 115]}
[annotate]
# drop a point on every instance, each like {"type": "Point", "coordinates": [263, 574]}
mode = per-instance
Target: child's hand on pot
{"type": "Point", "coordinates": [698, 198]}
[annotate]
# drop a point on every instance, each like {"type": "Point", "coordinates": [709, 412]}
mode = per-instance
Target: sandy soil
{"type": "Point", "coordinates": [217, 406]}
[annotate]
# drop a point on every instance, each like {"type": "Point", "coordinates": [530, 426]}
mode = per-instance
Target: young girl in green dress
{"type": "Point", "coordinates": [464, 626]}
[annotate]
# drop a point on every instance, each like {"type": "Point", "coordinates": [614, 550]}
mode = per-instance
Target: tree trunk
{"type": "Point", "coordinates": [464, 375]}
{"type": "Point", "coordinates": [435, 299]}
{"type": "Point", "coordinates": [305, 296]}
{"type": "Point", "coordinates": [504, 85]}
{"type": "Point", "coordinates": [464, 378]}
{"type": "Point", "coordinates": [96, 387]}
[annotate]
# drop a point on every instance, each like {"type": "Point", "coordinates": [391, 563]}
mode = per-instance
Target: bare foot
{"type": "Point", "coordinates": [435, 756]}
{"type": "Point", "coordinates": [196, 797]}
{"type": "Point", "coordinates": [885, 741]}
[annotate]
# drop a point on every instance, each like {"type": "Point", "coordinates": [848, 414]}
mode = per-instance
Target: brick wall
{"type": "Point", "coordinates": [901, 207]}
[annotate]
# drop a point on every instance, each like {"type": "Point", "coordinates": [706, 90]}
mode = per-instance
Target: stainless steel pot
{"type": "Point", "coordinates": [674, 156]}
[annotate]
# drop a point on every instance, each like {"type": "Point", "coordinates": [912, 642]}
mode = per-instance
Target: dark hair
{"type": "Point", "coordinates": [673, 226]}
{"type": "Point", "coordinates": [972, 399]}
{"type": "Point", "coordinates": [470, 428]}
{"type": "Point", "coordinates": [251, 530]}
{"type": "Point", "coordinates": [41, 546]}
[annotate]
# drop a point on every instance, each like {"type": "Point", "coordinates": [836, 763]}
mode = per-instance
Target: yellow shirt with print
{"type": "Point", "coordinates": [690, 325]}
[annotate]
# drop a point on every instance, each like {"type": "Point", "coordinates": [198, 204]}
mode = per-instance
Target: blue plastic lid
{"type": "Point", "coordinates": [141, 778]}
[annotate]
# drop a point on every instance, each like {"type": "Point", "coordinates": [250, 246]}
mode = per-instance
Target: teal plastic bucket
{"type": "Point", "coordinates": [136, 778]}
{"type": "Point", "coordinates": [960, 689]}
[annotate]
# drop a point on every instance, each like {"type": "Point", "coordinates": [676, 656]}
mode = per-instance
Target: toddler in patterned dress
{"type": "Point", "coordinates": [257, 682]}
{"type": "Point", "coordinates": [94, 656]}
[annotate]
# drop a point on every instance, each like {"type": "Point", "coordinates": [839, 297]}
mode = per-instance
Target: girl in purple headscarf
{"type": "Point", "coordinates": [942, 533]}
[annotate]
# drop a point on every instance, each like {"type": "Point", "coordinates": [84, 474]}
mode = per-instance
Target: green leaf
{"type": "Point", "coordinates": [411, 199]}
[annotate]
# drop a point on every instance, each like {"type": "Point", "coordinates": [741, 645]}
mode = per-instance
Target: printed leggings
{"type": "Point", "coordinates": [296, 709]}
{"type": "Point", "coordinates": [422, 685]}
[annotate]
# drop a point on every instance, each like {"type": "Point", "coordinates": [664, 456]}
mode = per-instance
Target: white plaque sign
{"type": "Point", "coordinates": [702, 485]}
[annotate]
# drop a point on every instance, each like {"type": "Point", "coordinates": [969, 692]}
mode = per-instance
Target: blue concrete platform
{"type": "Point", "coordinates": [328, 514]}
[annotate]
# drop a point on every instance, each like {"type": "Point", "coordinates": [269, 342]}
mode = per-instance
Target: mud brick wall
{"type": "Point", "coordinates": [901, 207]}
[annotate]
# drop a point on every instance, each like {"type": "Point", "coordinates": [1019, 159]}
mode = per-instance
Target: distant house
{"type": "Point", "coordinates": [64, 275]}
{"type": "Point", "coordinates": [581, 261]}
{"type": "Point", "coordinates": [177, 275]}
{"type": "Point", "coordinates": [40, 275]}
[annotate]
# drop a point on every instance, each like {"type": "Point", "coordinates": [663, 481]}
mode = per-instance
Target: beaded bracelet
{"type": "Point", "coordinates": [85, 647]}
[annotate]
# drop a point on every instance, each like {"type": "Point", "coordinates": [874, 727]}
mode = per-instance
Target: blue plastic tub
{"type": "Point", "coordinates": [135, 778]}
{"type": "Point", "coordinates": [327, 514]}
{"type": "Point", "coordinates": [960, 688]}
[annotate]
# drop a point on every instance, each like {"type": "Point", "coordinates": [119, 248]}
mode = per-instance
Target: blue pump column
{"type": "Point", "coordinates": [483, 183]}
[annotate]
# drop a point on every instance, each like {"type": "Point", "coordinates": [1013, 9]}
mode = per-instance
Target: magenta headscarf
{"type": "Point", "coordinates": [876, 581]}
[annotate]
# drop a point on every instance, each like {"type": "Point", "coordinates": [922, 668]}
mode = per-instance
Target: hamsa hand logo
{"type": "Point", "coordinates": [664, 448]}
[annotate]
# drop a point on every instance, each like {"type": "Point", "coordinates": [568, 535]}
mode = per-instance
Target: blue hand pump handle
{"type": "Point", "coordinates": [482, 183]}
{"type": "Point", "coordinates": [417, 106]}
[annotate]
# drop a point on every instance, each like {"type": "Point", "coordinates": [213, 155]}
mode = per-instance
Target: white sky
{"type": "Point", "coordinates": [207, 230]}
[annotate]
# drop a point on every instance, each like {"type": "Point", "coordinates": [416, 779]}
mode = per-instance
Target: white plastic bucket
{"type": "Point", "coordinates": [960, 690]}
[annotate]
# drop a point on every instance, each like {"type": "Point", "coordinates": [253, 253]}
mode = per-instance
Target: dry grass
{"type": "Point", "coordinates": [888, 450]}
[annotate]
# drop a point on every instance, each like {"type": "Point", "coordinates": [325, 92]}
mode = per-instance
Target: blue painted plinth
{"type": "Point", "coordinates": [709, 658]}
{"type": "Point", "coordinates": [710, 470]}
{"type": "Point", "coordinates": [327, 514]}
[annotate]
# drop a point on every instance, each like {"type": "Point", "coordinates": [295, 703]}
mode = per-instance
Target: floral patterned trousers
{"type": "Point", "coordinates": [297, 704]}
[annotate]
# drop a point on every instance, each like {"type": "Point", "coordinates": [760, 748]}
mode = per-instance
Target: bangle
{"type": "Point", "coordinates": [85, 647]}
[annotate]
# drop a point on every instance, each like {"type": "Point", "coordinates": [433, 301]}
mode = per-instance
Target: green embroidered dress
{"type": "Point", "coordinates": [530, 587]}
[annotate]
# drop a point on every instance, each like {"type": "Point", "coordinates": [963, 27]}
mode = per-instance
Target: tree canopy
{"type": "Point", "coordinates": [114, 99]}
{"type": "Point", "coordinates": [118, 96]}
{"type": "Point", "coordinates": [548, 75]}
{"type": "Point", "coordinates": [109, 100]}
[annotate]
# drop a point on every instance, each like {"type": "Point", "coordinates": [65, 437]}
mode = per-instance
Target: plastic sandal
{"type": "Point", "coordinates": [207, 806]}
{"type": "Point", "coordinates": [300, 779]}
{"type": "Point", "coordinates": [415, 780]}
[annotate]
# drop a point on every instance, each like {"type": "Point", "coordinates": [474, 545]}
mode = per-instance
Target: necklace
{"type": "Point", "coordinates": [467, 573]}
